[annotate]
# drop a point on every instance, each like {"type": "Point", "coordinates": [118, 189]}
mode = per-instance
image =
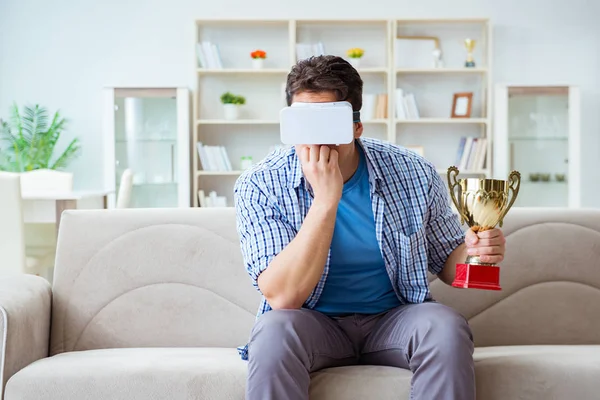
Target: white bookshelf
{"type": "Point", "coordinates": [433, 87]}
{"type": "Point", "coordinates": [257, 128]}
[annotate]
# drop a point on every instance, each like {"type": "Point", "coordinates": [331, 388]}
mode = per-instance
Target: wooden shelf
{"type": "Point", "coordinates": [441, 70]}
{"type": "Point", "coordinates": [265, 71]}
{"type": "Point", "coordinates": [266, 121]}
{"type": "Point", "coordinates": [376, 121]}
{"type": "Point", "coordinates": [539, 138]}
{"type": "Point", "coordinates": [230, 71]}
{"type": "Point", "coordinates": [443, 121]}
{"type": "Point", "coordinates": [218, 173]}
{"type": "Point", "coordinates": [465, 172]}
{"type": "Point", "coordinates": [237, 122]}
{"type": "Point", "coordinates": [442, 21]}
{"type": "Point", "coordinates": [374, 70]}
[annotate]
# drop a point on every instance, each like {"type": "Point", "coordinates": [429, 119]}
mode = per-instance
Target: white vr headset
{"type": "Point", "coordinates": [318, 123]}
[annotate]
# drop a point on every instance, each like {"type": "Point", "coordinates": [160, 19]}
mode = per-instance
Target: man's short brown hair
{"type": "Point", "coordinates": [326, 73]}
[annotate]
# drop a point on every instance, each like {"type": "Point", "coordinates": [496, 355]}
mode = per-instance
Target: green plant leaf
{"type": "Point", "coordinates": [68, 155]}
{"type": "Point", "coordinates": [34, 121]}
{"type": "Point", "coordinates": [30, 142]}
{"type": "Point", "coordinates": [227, 98]}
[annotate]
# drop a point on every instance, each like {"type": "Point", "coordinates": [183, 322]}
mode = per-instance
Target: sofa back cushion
{"type": "Point", "coordinates": [550, 282]}
{"type": "Point", "coordinates": [150, 278]}
{"type": "Point", "coordinates": [175, 278]}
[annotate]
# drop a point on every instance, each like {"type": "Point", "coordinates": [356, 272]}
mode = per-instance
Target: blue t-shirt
{"type": "Point", "coordinates": [357, 281]}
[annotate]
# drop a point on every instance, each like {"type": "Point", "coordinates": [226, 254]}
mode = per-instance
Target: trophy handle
{"type": "Point", "coordinates": [514, 183]}
{"type": "Point", "coordinates": [452, 184]}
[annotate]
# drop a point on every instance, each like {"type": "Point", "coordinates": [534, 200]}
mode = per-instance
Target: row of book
{"type": "Point", "coordinates": [208, 55]}
{"type": "Point", "coordinates": [212, 200]}
{"type": "Point", "coordinates": [471, 153]}
{"type": "Point", "coordinates": [406, 105]}
{"type": "Point", "coordinates": [374, 107]}
{"type": "Point", "coordinates": [213, 158]}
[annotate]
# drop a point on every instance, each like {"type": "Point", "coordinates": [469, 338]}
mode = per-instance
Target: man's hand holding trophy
{"type": "Point", "coordinates": [482, 204]}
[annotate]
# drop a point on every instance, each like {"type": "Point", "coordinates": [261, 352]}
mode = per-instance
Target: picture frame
{"type": "Point", "coordinates": [462, 103]}
{"type": "Point", "coordinates": [416, 51]}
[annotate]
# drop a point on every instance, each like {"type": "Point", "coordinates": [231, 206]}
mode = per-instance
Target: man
{"type": "Point", "coordinates": [338, 240]}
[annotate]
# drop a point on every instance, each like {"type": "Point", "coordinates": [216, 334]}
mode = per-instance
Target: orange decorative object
{"type": "Point", "coordinates": [258, 54]}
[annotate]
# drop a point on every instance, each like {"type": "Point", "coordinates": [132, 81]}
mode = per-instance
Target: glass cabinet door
{"type": "Point", "coordinates": [540, 141]}
{"type": "Point", "coordinates": [150, 139]}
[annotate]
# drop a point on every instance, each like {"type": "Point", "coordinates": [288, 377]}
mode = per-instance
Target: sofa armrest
{"type": "Point", "coordinates": [25, 304]}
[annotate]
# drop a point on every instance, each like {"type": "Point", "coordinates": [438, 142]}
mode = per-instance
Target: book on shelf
{"type": "Point", "coordinates": [307, 50]}
{"type": "Point", "coordinates": [208, 55]}
{"type": "Point", "coordinates": [406, 105]}
{"type": "Point", "coordinates": [374, 107]}
{"type": "Point", "coordinates": [471, 154]}
{"type": "Point", "coordinates": [212, 200]}
{"type": "Point", "coordinates": [213, 158]}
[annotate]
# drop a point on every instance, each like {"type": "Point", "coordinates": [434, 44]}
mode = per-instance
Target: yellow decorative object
{"type": "Point", "coordinates": [355, 52]}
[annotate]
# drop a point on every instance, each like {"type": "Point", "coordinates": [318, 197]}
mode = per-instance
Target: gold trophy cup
{"type": "Point", "coordinates": [481, 204]}
{"type": "Point", "coordinates": [470, 45]}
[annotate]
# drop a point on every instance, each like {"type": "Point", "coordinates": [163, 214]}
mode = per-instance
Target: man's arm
{"type": "Point", "coordinates": [445, 235]}
{"type": "Point", "coordinates": [448, 245]}
{"type": "Point", "coordinates": [488, 245]}
{"type": "Point", "coordinates": [287, 267]}
{"type": "Point", "coordinates": [458, 256]}
{"type": "Point", "coordinates": [294, 273]}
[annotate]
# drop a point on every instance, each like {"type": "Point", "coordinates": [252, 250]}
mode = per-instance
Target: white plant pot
{"type": "Point", "coordinates": [231, 111]}
{"type": "Point", "coordinates": [46, 180]}
{"type": "Point", "coordinates": [355, 62]}
{"type": "Point", "coordinates": [258, 63]}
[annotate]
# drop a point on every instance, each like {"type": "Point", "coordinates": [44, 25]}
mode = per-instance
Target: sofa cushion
{"type": "Point", "coordinates": [150, 278]}
{"type": "Point", "coordinates": [178, 374]}
{"type": "Point", "coordinates": [528, 372]}
{"type": "Point", "coordinates": [133, 374]}
{"type": "Point", "coordinates": [537, 372]}
{"type": "Point", "coordinates": [550, 282]}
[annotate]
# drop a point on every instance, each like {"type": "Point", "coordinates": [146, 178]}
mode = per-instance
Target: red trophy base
{"type": "Point", "coordinates": [473, 276]}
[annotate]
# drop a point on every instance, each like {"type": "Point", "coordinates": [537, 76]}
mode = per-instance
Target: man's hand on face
{"type": "Point", "coordinates": [488, 245]}
{"type": "Point", "coordinates": [321, 169]}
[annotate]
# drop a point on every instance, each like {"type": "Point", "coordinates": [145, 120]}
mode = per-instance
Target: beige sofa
{"type": "Point", "coordinates": [150, 304]}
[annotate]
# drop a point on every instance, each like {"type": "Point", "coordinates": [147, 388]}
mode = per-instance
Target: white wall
{"type": "Point", "coordinates": [61, 53]}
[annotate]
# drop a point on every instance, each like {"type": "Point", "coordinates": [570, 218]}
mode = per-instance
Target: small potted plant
{"type": "Point", "coordinates": [31, 136]}
{"type": "Point", "coordinates": [355, 54]}
{"type": "Point", "coordinates": [258, 58]}
{"type": "Point", "coordinates": [231, 105]}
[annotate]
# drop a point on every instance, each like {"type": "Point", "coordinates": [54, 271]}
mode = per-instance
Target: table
{"type": "Point", "coordinates": [47, 206]}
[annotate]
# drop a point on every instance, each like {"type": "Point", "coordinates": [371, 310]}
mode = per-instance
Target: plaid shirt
{"type": "Point", "coordinates": [415, 226]}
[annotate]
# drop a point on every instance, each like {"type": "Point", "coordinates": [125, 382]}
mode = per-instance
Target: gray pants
{"type": "Point", "coordinates": [430, 339]}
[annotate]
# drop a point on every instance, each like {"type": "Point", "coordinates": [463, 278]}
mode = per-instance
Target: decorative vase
{"type": "Point", "coordinates": [355, 61]}
{"type": "Point", "coordinates": [258, 63]}
{"type": "Point", "coordinates": [231, 111]}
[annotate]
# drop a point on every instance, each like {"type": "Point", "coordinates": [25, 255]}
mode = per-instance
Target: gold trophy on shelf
{"type": "Point", "coordinates": [470, 45]}
{"type": "Point", "coordinates": [481, 204]}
